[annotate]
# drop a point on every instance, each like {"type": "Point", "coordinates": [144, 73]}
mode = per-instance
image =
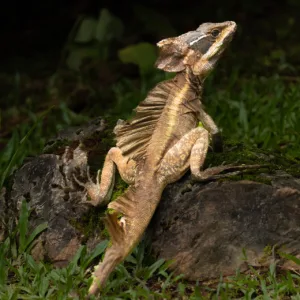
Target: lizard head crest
{"type": "Point", "coordinates": [199, 49]}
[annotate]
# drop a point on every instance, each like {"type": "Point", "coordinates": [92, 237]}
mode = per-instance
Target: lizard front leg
{"type": "Point", "coordinates": [100, 192]}
{"type": "Point", "coordinates": [210, 125]}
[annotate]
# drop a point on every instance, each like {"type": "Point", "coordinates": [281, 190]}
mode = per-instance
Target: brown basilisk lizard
{"type": "Point", "coordinates": [161, 142]}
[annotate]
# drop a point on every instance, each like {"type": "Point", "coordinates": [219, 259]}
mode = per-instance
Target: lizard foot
{"type": "Point", "coordinates": [92, 189]}
{"type": "Point", "coordinates": [213, 173]}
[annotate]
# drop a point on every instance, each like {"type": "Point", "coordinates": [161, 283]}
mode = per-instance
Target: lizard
{"type": "Point", "coordinates": [160, 143]}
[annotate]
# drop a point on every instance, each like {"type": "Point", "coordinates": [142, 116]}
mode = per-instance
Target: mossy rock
{"type": "Point", "coordinates": [242, 221]}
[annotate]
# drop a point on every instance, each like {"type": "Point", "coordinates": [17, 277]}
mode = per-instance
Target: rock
{"type": "Point", "coordinates": [220, 227]}
{"type": "Point", "coordinates": [47, 183]}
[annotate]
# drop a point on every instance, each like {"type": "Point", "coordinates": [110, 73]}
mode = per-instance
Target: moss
{"type": "Point", "coordinates": [90, 222]}
{"type": "Point", "coordinates": [267, 255]}
{"type": "Point", "coordinates": [250, 177]}
{"type": "Point", "coordinates": [120, 188]}
{"type": "Point", "coordinates": [268, 250]}
{"type": "Point", "coordinates": [237, 153]}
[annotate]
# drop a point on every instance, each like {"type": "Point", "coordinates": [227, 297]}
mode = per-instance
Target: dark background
{"type": "Point", "coordinates": [40, 28]}
{"type": "Point", "coordinates": [260, 66]}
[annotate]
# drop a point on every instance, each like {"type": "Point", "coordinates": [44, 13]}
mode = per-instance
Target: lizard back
{"type": "Point", "coordinates": [133, 136]}
{"type": "Point", "coordinates": [172, 104]}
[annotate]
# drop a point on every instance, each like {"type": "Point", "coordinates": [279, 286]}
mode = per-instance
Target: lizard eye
{"type": "Point", "coordinates": [215, 32]}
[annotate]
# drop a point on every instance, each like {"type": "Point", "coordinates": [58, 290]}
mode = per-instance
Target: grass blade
{"type": "Point", "coordinates": [13, 159]}
{"type": "Point", "coordinates": [23, 225]}
{"type": "Point", "coordinates": [40, 228]}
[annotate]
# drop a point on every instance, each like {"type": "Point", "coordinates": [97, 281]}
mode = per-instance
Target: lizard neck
{"type": "Point", "coordinates": [188, 86]}
{"type": "Point", "coordinates": [194, 81]}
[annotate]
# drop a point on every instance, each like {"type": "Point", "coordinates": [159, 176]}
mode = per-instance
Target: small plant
{"type": "Point", "coordinates": [91, 38]}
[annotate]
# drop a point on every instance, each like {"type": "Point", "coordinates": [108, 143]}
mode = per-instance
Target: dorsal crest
{"type": "Point", "coordinates": [133, 136]}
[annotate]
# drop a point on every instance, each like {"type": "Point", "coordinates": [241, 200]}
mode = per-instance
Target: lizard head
{"type": "Point", "coordinates": [199, 49]}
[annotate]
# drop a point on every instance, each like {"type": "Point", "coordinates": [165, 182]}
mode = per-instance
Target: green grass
{"type": "Point", "coordinates": [258, 110]}
{"type": "Point", "coordinates": [139, 277]}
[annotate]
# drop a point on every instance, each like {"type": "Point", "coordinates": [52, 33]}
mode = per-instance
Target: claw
{"type": "Point", "coordinates": [89, 203]}
{"type": "Point", "coordinates": [79, 182]}
{"type": "Point", "coordinates": [88, 173]}
{"type": "Point", "coordinates": [219, 176]}
{"type": "Point", "coordinates": [92, 189]}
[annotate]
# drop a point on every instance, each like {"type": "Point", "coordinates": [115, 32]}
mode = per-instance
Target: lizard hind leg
{"type": "Point", "coordinates": [198, 155]}
{"type": "Point", "coordinates": [177, 159]}
{"type": "Point", "coordinates": [190, 151]}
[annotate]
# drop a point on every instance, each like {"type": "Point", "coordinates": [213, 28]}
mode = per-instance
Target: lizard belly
{"type": "Point", "coordinates": [180, 115]}
{"type": "Point", "coordinates": [162, 141]}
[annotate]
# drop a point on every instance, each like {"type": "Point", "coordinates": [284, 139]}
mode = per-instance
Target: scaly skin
{"type": "Point", "coordinates": [161, 143]}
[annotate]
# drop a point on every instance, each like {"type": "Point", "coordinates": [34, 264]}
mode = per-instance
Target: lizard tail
{"type": "Point", "coordinates": [120, 247]}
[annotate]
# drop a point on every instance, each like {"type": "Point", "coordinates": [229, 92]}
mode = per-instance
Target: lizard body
{"type": "Point", "coordinates": [161, 142]}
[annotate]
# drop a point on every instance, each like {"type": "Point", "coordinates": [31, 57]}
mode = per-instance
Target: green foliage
{"type": "Point", "coordinates": [13, 149]}
{"type": "Point", "coordinates": [29, 138]}
{"type": "Point", "coordinates": [21, 277]}
{"type": "Point", "coordinates": [259, 285]}
{"type": "Point", "coordinates": [108, 27]}
{"type": "Point", "coordinates": [90, 38]}
{"type": "Point", "coordinates": [259, 111]}
{"type": "Point", "coordinates": [142, 54]}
